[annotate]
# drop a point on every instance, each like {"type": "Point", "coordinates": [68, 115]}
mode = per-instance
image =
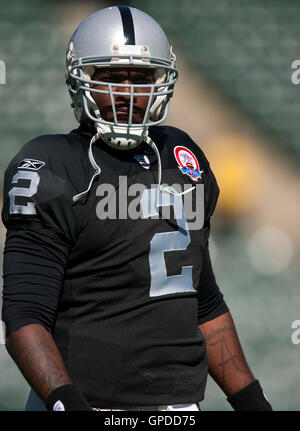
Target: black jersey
{"type": "Point", "coordinates": [121, 278]}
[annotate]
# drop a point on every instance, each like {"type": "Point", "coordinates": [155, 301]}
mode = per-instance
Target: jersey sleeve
{"type": "Point", "coordinates": [180, 138]}
{"type": "Point", "coordinates": [33, 273]}
{"type": "Point", "coordinates": [39, 185]}
{"type": "Point", "coordinates": [42, 224]}
{"type": "Point", "coordinates": [211, 188]}
{"type": "Point", "coordinates": [211, 303]}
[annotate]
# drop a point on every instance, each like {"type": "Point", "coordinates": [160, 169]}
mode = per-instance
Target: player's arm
{"type": "Point", "coordinates": [34, 351]}
{"type": "Point", "coordinates": [226, 360]}
{"type": "Point", "coordinates": [227, 363]}
{"type": "Point", "coordinates": [228, 366]}
{"type": "Point", "coordinates": [33, 274]}
{"type": "Point", "coordinates": [42, 225]}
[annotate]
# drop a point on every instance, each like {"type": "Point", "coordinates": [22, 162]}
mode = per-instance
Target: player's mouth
{"type": "Point", "coordinates": [123, 111]}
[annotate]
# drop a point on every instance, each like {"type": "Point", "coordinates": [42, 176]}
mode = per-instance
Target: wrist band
{"type": "Point", "coordinates": [250, 398]}
{"type": "Point", "coordinates": [67, 398]}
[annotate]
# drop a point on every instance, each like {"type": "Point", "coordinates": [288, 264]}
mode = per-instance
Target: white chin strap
{"type": "Point", "coordinates": [97, 169]}
{"type": "Point", "coordinates": [121, 138]}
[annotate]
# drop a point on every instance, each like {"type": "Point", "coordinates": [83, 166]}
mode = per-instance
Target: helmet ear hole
{"type": "Point", "coordinates": [160, 75]}
{"type": "Point", "coordinates": [159, 104]}
{"type": "Point", "coordinates": [88, 72]}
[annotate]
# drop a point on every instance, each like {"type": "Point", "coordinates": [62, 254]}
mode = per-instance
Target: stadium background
{"type": "Point", "coordinates": [235, 97]}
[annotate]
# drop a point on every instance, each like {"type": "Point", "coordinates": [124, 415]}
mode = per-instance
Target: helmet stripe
{"type": "Point", "coordinates": [128, 26]}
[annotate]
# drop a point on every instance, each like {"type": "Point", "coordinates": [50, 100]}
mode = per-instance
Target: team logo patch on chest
{"type": "Point", "coordinates": [143, 160]}
{"type": "Point", "coordinates": [188, 163]}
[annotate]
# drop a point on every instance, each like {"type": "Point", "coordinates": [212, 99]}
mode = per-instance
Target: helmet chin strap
{"type": "Point", "coordinates": [121, 138]}
{"type": "Point", "coordinates": [97, 169]}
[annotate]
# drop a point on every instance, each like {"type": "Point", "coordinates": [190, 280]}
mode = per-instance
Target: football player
{"type": "Point", "coordinates": [108, 302]}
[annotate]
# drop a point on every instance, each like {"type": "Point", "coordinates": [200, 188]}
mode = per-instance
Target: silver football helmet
{"type": "Point", "coordinates": [120, 37]}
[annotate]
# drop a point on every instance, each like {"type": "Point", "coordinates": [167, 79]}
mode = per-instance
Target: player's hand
{"type": "Point", "coordinates": [251, 398]}
{"type": "Point", "coordinates": [67, 398]}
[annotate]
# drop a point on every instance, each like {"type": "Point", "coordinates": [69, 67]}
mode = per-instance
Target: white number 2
{"type": "Point", "coordinates": [25, 192]}
{"type": "Point", "coordinates": [161, 284]}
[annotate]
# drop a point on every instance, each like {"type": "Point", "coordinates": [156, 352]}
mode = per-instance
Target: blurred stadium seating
{"type": "Point", "coordinates": [245, 49]}
{"type": "Point", "coordinates": [238, 54]}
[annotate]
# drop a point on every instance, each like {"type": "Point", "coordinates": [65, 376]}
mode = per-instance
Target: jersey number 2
{"type": "Point", "coordinates": [25, 192]}
{"type": "Point", "coordinates": [161, 284]}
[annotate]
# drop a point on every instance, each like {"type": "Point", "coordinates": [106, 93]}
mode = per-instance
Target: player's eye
{"type": "Point", "coordinates": [112, 79]}
{"type": "Point", "coordinates": [142, 81]}
{"type": "Point", "coordinates": [104, 79]}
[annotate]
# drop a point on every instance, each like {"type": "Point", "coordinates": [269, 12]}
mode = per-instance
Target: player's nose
{"type": "Point", "coordinates": [126, 91]}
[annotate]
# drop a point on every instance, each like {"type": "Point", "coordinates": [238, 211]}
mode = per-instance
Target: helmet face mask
{"type": "Point", "coordinates": [108, 52]}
